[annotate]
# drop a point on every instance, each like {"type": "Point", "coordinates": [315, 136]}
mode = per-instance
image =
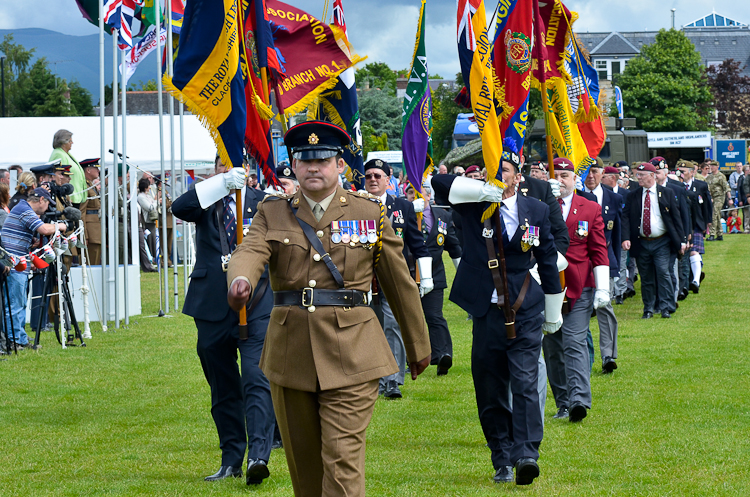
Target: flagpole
{"type": "Point", "coordinates": [126, 259]}
{"type": "Point", "coordinates": [170, 71]}
{"type": "Point", "coordinates": [183, 180]}
{"type": "Point", "coordinates": [103, 172]}
{"type": "Point", "coordinates": [114, 233]}
{"type": "Point", "coordinates": [165, 288]}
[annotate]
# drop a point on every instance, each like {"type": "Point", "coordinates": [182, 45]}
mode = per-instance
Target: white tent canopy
{"type": "Point", "coordinates": [28, 140]}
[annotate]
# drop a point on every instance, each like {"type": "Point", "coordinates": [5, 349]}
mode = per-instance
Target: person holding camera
{"type": "Point", "coordinates": [19, 231]}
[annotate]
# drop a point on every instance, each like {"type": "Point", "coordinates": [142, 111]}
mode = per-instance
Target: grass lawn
{"type": "Point", "coordinates": [129, 414]}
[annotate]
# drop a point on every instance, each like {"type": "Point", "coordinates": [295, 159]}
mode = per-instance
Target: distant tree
{"type": "Point", "coordinates": [81, 99]}
{"type": "Point", "coordinates": [56, 102]}
{"type": "Point", "coordinates": [665, 87]}
{"type": "Point", "coordinates": [149, 85]}
{"type": "Point", "coordinates": [382, 111]}
{"type": "Point", "coordinates": [444, 113]}
{"type": "Point", "coordinates": [377, 75]}
{"type": "Point", "coordinates": [32, 88]}
{"type": "Point", "coordinates": [731, 91]}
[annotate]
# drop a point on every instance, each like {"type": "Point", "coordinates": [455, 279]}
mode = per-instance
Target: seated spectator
{"type": "Point", "coordinates": [734, 223]}
{"type": "Point", "coordinates": [18, 233]}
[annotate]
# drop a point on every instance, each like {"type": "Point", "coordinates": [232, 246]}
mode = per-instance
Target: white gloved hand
{"type": "Point", "coordinates": [553, 312]}
{"type": "Point", "coordinates": [562, 262]}
{"type": "Point", "coordinates": [424, 266]}
{"type": "Point", "coordinates": [601, 296]}
{"type": "Point", "coordinates": [418, 205]}
{"type": "Point", "coordinates": [235, 178]}
{"type": "Point", "coordinates": [456, 262]}
{"type": "Point", "coordinates": [579, 183]}
{"type": "Point", "coordinates": [555, 186]}
{"type": "Point", "coordinates": [534, 271]}
{"type": "Point", "coordinates": [467, 190]}
{"type": "Point", "coordinates": [219, 186]}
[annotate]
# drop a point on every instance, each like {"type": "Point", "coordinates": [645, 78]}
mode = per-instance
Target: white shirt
{"type": "Point", "coordinates": [690, 184]}
{"type": "Point", "coordinates": [509, 210]}
{"type": "Point", "coordinates": [566, 205]}
{"type": "Point", "coordinates": [657, 224]}
{"type": "Point", "coordinates": [599, 192]}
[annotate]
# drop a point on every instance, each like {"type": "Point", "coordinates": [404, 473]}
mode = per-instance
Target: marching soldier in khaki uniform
{"type": "Point", "coordinates": [325, 350]}
{"type": "Point", "coordinates": [719, 190]}
{"type": "Point", "coordinates": [91, 211]}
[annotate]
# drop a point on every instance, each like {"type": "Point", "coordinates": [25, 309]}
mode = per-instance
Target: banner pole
{"type": "Point", "coordinates": [170, 70]}
{"type": "Point", "coordinates": [113, 190]}
{"type": "Point", "coordinates": [103, 174]}
{"type": "Point", "coordinates": [183, 182]}
{"type": "Point", "coordinates": [163, 220]}
{"type": "Point", "coordinates": [126, 258]}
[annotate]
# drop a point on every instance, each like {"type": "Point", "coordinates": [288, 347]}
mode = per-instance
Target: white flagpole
{"type": "Point", "coordinates": [157, 9]}
{"type": "Point", "coordinates": [113, 234]}
{"type": "Point", "coordinates": [185, 225]}
{"type": "Point", "coordinates": [84, 281]}
{"type": "Point", "coordinates": [173, 178]}
{"type": "Point", "coordinates": [103, 170]}
{"type": "Point", "coordinates": [125, 250]}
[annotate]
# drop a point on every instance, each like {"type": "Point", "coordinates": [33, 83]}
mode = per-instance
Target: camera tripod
{"type": "Point", "coordinates": [50, 280]}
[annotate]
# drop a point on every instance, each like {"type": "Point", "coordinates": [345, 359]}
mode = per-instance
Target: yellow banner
{"type": "Point", "coordinates": [566, 137]}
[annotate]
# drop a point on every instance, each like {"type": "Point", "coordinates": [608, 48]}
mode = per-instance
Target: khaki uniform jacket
{"type": "Point", "coordinates": [92, 222]}
{"type": "Point", "coordinates": [333, 346]}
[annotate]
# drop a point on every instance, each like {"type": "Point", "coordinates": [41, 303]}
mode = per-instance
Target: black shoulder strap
{"type": "Point", "coordinates": [315, 242]}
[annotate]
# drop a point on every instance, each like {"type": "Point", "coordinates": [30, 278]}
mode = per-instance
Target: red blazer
{"type": "Point", "coordinates": [587, 251]}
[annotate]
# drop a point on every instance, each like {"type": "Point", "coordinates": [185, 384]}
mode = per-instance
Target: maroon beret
{"type": "Point", "coordinates": [659, 162]}
{"type": "Point", "coordinates": [611, 170]}
{"type": "Point", "coordinates": [646, 166]}
{"type": "Point", "coordinates": [564, 164]}
{"type": "Point", "coordinates": [471, 169]}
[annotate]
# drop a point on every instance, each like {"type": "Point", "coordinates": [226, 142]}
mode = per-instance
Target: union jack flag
{"type": "Point", "coordinates": [119, 15]}
{"type": "Point", "coordinates": [338, 16]}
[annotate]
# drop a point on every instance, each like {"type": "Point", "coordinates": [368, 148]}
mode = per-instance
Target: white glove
{"type": "Point", "coordinates": [219, 186]}
{"type": "Point", "coordinates": [562, 262]}
{"type": "Point", "coordinates": [553, 312]}
{"type": "Point", "coordinates": [418, 205]}
{"type": "Point", "coordinates": [467, 190]}
{"type": "Point", "coordinates": [579, 183]}
{"type": "Point", "coordinates": [534, 271]}
{"type": "Point", "coordinates": [555, 186]}
{"type": "Point", "coordinates": [456, 262]}
{"type": "Point", "coordinates": [424, 266]}
{"type": "Point", "coordinates": [601, 296]}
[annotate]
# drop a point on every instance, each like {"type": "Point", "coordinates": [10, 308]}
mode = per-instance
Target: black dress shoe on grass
{"type": "Point", "coordinates": [504, 474]}
{"type": "Point", "coordinates": [562, 413]}
{"type": "Point", "coordinates": [392, 391]}
{"type": "Point", "coordinates": [694, 288]}
{"type": "Point", "coordinates": [647, 315]}
{"type": "Point", "coordinates": [444, 364]}
{"type": "Point", "coordinates": [257, 471]}
{"type": "Point", "coordinates": [619, 300]}
{"type": "Point", "coordinates": [526, 470]}
{"type": "Point", "coordinates": [608, 365]}
{"type": "Point", "coordinates": [665, 314]}
{"type": "Point", "coordinates": [577, 413]}
{"type": "Point", "coordinates": [225, 472]}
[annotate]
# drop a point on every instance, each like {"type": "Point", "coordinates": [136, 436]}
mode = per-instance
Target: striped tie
{"type": "Point", "coordinates": [230, 224]}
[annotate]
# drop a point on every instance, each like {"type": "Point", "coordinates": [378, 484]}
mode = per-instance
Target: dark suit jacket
{"type": "Point", "coordinates": [623, 192]}
{"type": "Point", "coordinates": [405, 226]}
{"type": "Point", "coordinates": [612, 216]}
{"type": "Point", "coordinates": [251, 198]}
{"type": "Point", "coordinates": [473, 285]}
{"type": "Point", "coordinates": [706, 210]}
{"type": "Point", "coordinates": [684, 204]}
{"type": "Point", "coordinates": [449, 242]}
{"type": "Point", "coordinates": [540, 190]}
{"type": "Point", "coordinates": [206, 297]}
{"type": "Point", "coordinates": [670, 213]}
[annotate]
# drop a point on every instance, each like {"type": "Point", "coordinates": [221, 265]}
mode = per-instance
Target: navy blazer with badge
{"type": "Point", "coordinates": [706, 209]}
{"type": "Point", "coordinates": [473, 285]}
{"type": "Point", "coordinates": [404, 222]}
{"type": "Point", "coordinates": [541, 190]}
{"type": "Point", "coordinates": [670, 214]}
{"type": "Point", "coordinates": [612, 217]}
{"type": "Point", "coordinates": [438, 241]}
{"type": "Point", "coordinates": [682, 201]}
{"type": "Point", "coordinates": [206, 298]}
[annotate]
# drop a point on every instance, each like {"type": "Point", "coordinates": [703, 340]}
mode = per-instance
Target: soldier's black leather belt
{"type": "Point", "coordinates": [310, 297]}
{"type": "Point", "coordinates": [652, 237]}
{"type": "Point", "coordinates": [92, 211]}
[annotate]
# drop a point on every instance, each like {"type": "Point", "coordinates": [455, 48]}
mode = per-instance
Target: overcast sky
{"type": "Point", "coordinates": [384, 30]}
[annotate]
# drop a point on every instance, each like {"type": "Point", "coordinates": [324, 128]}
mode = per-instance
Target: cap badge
{"type": "Point", "coordinates": [287, 171]}
{"type": "Point", "coordinates": [313, 139]}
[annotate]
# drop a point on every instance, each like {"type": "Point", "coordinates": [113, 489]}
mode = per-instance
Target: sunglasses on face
{"type": "Point", "coordinates": [373, 175]}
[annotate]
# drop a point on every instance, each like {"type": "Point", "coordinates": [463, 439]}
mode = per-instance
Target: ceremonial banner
{"type": "Point", "coordinates": [311, 53]}
{"type": "Point", "coordinates": [118, 14]}
{"type": "Point", "coordinates": [512, 65]}
{"type": "Point", "coordinates": [178, 13]}
{"type": "Point", "coordinates": [342, 107]}
{"type": "Point", "coordinates": [555, 22]}
{"type": "Point", "coordinates": [473, 38]}
{"type": "Point", "coordinates": [140, 50]}
{"type": "Point", "coordinates": [583, 91]}
{"type": "Point", "coordinates": [207, 73]}
{"type": "Point", "coordinates": [416, 118]}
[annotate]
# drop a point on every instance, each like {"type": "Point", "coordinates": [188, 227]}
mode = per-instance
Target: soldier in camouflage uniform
{"type": "Point", "coordinates": [719, 189]}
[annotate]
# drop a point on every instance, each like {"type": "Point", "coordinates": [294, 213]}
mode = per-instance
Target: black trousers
{"type": "Point", "coordinates": [657, 289]}
{"type": "Point", "coordinates": [240, 399]}
{"type": "Point", "coordinates": [511, 432]}
{"type": "Point", "coordinates": [440, 336]}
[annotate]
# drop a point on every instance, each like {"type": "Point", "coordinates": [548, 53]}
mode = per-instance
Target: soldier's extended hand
{"type": "Point", "coordinates": [418, 368]}
{"type": "Point", "coordinates": [238, 295]}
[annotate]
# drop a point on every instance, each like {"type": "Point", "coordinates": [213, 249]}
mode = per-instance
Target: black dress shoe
{"type": "Point", "coordinates": [711, 238]}
{"type": "Point", "coordinates": [526, 470]}
{"type": "Point", "coordinates": [504, 474]}
{"type": "Point", "coordinates": [392, 391]}
{"type": "Point", "coordinates": [257, 471]}
{"type": "Point", "coordinates": [225, 472]}
{"type": "Point", "coordinates": [720, 238]}
{"type": "Point", "coordinates": [444, 364]}
{"type": "Point", "coordinates": [619, 300]}
{"type": "Point", "coordinates": [682, 295]}
{"type": "Point", "coordinates": [608, 365]}
{"type": "Point", "coordinates": [703, 275]}
{"type": "Point", "coordinates": [665, 314]}
{"type": "Point", "coordinates": [647, 315]}
{"type": "Point", "coordinates": [277, 444]}
{"type": "Point", "coordinates": [562, 413]}
{"type": "Point", "coordinates": [694, 288]}
{"type": "Point", "coordinates": [577, 413]}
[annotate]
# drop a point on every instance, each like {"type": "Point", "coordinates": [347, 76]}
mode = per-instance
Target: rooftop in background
{"type": "Point", "coordinates": [144, 103]}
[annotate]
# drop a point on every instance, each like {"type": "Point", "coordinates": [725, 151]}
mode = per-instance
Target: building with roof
{"type": "Point", "coordinates": [715, 37]}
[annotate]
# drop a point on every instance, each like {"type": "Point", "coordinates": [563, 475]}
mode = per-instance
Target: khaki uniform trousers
{"type": "Point", "coordinates": [324, 437]}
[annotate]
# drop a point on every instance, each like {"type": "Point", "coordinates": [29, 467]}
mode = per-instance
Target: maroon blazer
{"type": "Point", "coordinates": [585, 251]}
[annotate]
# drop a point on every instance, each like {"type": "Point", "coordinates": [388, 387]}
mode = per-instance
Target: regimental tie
{"type": "Point", "coordinates": [647, 215]}
{"type": "Point", "coordinates": [230, 224]}
{"type": "Point", "coordinates": [502, 224]}
{"type": "Point", "coordinates": [318, 212]}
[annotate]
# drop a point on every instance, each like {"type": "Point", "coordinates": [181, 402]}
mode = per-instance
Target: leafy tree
{"type": "Point", "coordinates": [149, 85]}
{"type": "Point", "coordinates": [444, 113]}
{"type": "Point", "coordinates": [31, 89]}
{"type": "Point", "coordinates": [382, 111]}
{"type": "Point", "coordinates": [665, 87]}
{"type": "Point", "coordinates": [731, 91]}
{"type": "Point", "coordinates": [56, 102]}
{"type": "Point", "coordinates": [81, 99]}
{"type": "Point", "coordinates": [377, 75]}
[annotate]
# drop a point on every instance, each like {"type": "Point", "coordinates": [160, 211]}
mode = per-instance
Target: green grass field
{"type": "Point", "coordinates": [129, 414]}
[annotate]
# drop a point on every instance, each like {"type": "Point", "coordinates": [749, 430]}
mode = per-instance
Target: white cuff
{"type": "Point", "coordinates": [465, 191]}
{"type": "Point", "coordinates": [601, 277]}
{"type": "Point", "coordinates": [424, 264]}
{"type": "Point", "coordinates": [553, 306]}
{"type": "Point", "coordinates": [562, 262]}
{"type": "Point", "coordinates": [211, 191]}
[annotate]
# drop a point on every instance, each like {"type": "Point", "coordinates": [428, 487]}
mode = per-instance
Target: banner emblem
{"type": "Point", "coordinates": [518, 51]}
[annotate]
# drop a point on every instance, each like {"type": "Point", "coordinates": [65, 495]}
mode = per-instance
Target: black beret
{"type": "Point", "coordinates": [378, 164]}
{"type": "Point", "coordinates": [315, 140]}
{"type": "Point", "coordinates": [284, 171]}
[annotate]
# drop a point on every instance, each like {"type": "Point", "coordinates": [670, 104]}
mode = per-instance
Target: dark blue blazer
{"type": "Point", "coordinates": [705, 212]}
{"type": "Point", "coordinates": [450, 243]}
{"type": "Point", "coordinates": [670, 214]}
{"type": "Point", "coordinates": [538, 189]}
{"type": "Point", "coordinates": [682, 200]}
{"type": "Point", "coordinates": [206, 297]}
{"type": "Point", "coordinates": [473, 284]}
{"type": "Point", "coordinates": [612, 217]}
{"type": "Point", "coordinates": [406, 226]}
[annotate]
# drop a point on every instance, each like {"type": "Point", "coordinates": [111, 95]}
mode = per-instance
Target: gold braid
{"type": "Point", "coordinates": [379, 244]}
